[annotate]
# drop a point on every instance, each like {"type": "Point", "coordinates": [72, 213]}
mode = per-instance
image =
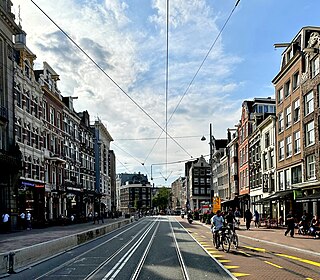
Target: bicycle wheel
{"type": "Point", "coordinates": [235, 241]}
{"type": "Point", "coordinates": [226, 243]}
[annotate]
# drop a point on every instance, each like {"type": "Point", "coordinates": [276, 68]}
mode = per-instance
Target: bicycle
{"type": "Point", "coordinates": [234, 239]}
{"type": "Point", "coordinates": [221, 238]}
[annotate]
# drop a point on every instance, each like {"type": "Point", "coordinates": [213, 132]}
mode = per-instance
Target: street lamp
{"type": "Point", "coordinates": [211, 144]}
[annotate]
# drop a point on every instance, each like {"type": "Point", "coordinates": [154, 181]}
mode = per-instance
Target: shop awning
{"type": "Point", "coordinates": [309, 198]}
{"type": "Point", "coordinates": [276, 196]}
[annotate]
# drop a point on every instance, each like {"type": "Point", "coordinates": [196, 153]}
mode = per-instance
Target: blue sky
{"type": "Point", "coordinates": [128, 39]}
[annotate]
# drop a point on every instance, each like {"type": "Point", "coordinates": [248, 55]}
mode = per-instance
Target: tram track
{"type": "Point", "coordinates": [74, 259]}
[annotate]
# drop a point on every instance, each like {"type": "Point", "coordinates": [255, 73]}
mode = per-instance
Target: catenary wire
{"type": "Point", "coordinates": [167, 84]}
{"type": "Point", "coordinates": [109, 77]}
{"type": "Point", "coordinates": [196, 74]}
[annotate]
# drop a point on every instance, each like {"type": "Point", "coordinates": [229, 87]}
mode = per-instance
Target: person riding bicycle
{"type": "Point", "coordinates": [217, 222]}
{"type": "Point", "coordinates": [230, 219]}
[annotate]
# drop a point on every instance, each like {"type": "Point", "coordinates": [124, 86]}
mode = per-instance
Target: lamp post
{"type": "Point", "coordinates": [210, 162]}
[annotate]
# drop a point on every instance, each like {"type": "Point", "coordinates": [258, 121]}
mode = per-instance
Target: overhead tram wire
{"type": "Point", "coordinates": [167, 85]}
{"type": "Point", "coordinates": [197, 72]}
{"type": "Point", "coordinates": [154, 138]}
{"type": "Point", "coordinates": [109, 77]}
{"type": "Point", "coordinates": [128, 153]}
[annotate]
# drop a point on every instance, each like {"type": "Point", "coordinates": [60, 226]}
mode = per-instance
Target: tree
{"type": "Point", "coordinates": [162, 198]}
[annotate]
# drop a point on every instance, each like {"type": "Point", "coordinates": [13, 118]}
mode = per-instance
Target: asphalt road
{"type": "Point", "coordinates": [152, 248]}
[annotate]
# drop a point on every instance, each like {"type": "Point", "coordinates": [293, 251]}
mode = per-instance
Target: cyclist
{"type": "Point", "coordinates": [217, 222]}
{"type": "Point", "coordinates": [230, 219]}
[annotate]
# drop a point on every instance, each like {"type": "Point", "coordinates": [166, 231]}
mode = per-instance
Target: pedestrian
{"type": "Point", "coordinates": [6, 222]}
{"type": "Point", "coordinates": [22, 220]}
{"type": "Point", "coordinates": [290, 224]}
{"type": "Point", "coordinates": [29, 219]}
{"type": "Point", "coordinates": [256, 218]}
{"type": "Point", "coordinates": [95, 218]}
{"type": "Point", "coordinates": [101, 215]}
{"type": "Point", "coordinates": [248, 218]}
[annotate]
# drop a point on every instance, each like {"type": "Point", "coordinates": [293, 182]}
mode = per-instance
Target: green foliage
{"type": "Point", "coordinates": [162, 198]}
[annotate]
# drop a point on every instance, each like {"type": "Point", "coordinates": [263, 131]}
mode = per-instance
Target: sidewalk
{"type": "Point", "coordinates": [276, 236]}
{"type": "Point", "coordinates": [25, 238]}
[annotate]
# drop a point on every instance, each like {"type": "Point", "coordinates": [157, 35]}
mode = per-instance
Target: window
{"type": "Point", "coordinates": [280, 95]}
{"type": "Point", "coordinates": [267, 140]}
{"type": "Point", "coordinates": [296, 112]}
{"type": "Point", "coordinates": [287, 178]}
{"type": "Point", "coordinates": [296, 139]}
{"type": "Point", "coordinates": [271, 162]}
{"type": "Point", "coordinates": [296, 174]}
{"type": "Point", "coordinates": [289, 146]}
{"type": "Point", "coordinates": [202, 190]}
{"type": "Point", "coordinates": [281, 150]}
{"type": "Point", "coordinates": [288, 117]}
{"type": "Point", "coordinates": [295, 81]}
{"type": "Point", "coordinates": [196, 190]}
{"type": "Point", "coordinates": [280, 122]}
{"type": "Point", "coordinates": [44, 110]}
{"type": "Point", "coordinates": [196, 181]}
{"type": "Point", "coordinates": [315, 67]}
{"type": "Point", "coordinates": [309, 128]}
{"type": "Point", "coordinates": [52, 114]}
{"type": "Point", "coordinates": [311, 165]}
{"type": "Point", "coordinates": [281, 181]}
{"type": "Point", "coordinates": [265, 162]}
{"type": "Point", "coordinates": [58, 120]}
{"type": "Point", "coordinates": [308, 103]}
{"type": "Point", "coordinates": [18, 97]}
{"type": "Point", "coordinates": [287, 89]}
{"type": "Point", "coordinates": [202, 181]}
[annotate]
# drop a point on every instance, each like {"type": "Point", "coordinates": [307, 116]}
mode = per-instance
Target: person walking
{"type": "Point", "coordinates": [22, 220]}
{"type": "Point", "coordinates": [29, 219]}
{"type": "Point", "coordinates": [6, 222]}
{"type": "Point", "coordinates": [290, 224]}
{"type": "Point", "coordinates": [248, 218]}
{"type": "Point", "coordinates": [256, 219]}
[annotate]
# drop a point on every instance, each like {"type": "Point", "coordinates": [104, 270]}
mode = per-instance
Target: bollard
{"type": "Point", "coordinates": [11, 262]}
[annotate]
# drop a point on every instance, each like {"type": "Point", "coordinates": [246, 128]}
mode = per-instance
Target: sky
{"type": "Point", "coordinates": [208, 76]}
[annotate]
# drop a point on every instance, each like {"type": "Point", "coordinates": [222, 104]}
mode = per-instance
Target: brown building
{"type": "Point", "coordinates": [250, 110]}
{"type": "Point", "coordinates": [297, 94]}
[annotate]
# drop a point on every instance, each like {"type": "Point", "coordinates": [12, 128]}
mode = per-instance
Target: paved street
{"type": "Point", "coordinates": [263, 253]}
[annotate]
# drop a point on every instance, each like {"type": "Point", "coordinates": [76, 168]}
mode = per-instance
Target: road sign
{"type": "Point", "coordinates": [216, 204]}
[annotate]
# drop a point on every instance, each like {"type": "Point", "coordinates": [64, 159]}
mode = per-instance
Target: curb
{"type": "Point", "coordinates": [18, 259]}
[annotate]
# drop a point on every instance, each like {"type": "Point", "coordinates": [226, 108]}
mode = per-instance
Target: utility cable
{"type": "Point", "coordinates": [167, 84]}
{"type": "Point", "coordinates": [197, 72]}
{"type": "Point", "coordinates": [109, 77]}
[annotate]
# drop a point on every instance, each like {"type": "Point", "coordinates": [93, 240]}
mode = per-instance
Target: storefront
{"type": "Point", "coordinates": [31, 196]}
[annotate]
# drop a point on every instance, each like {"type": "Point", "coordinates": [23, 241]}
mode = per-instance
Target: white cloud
{"type": "Point", "coordinates": [135, 58]}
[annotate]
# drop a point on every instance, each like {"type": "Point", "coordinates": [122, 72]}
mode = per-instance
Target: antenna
{"type": "Point", "coordinates": [19, 16]}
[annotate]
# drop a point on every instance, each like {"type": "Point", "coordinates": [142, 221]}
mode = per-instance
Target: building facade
{"type": "Point", "coordinates": [102, 140]}
{"type": "Point", "coordinates": [10, 155]}
{"type": "Point", "coordinates": [297, 95]}
{"type": "Point", "coordinates": [135, 192]}
{"type": "Point", "coordinates": [198, 179]}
